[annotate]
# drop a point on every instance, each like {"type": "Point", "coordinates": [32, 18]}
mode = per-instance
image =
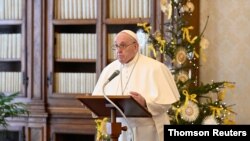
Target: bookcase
{"type": "Point", "coordinates": [79, 39]}
{"type": "Point", "coordinates": [54, 50]}
{"type": "Point", "coordinates": [21, 53]}
{"type": "Point", "coordinates": [13, 70]}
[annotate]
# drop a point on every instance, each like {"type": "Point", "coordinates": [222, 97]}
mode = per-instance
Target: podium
{"type": "Point", "coordinates": [102, 108]}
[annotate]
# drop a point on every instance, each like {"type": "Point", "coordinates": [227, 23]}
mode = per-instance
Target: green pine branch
{"type": "Point", "coordinates": [204, 89]}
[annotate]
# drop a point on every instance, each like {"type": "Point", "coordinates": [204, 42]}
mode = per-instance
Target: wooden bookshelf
{"type": "Point", "coordinates": [101, 25]}
{"type": "Point", "coordinates": [12, 47]}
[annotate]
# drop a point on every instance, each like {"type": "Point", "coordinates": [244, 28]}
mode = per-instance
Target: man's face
{"type": "Point", "coordinates": [125, 47]}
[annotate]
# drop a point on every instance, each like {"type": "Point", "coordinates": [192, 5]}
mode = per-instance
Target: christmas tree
{"type": "Point", "coordinates": [199, 103]}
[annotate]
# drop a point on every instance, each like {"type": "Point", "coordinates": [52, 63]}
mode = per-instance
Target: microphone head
{"type": "Point", "coordinates": [117, 72]}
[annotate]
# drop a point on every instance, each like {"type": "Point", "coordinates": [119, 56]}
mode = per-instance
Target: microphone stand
{"type": "Point", "coordinates": [115, 127]}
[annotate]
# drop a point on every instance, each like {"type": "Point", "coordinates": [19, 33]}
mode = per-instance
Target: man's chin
{"type": "Point", "coordinates": [121, 60]}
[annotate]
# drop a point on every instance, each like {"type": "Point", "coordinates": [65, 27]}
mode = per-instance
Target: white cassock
{"type": "Point", "coordinates": [153, 80]}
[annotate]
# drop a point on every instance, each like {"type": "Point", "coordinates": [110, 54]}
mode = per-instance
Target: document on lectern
{"type": "Point", "coordinates": [102, 108]}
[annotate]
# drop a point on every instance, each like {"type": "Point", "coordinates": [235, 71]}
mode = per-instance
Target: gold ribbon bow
{"type": "Point", "coordinates": [229, 85]}
{"type": "Point", "coordinates": [221, 95]}
{"type": "Point", "coordinates": [177, 112]}
{"type": "Point", "coordinates": [186, 34]}
{"type": "Point", "coordinates": [196, 54]}
{"type": "Point", "coordinates": [223, 92]}
{"type": "Point", "coordinates": [160, 41]}
{"type": "Point", "coordinates": [188, 97]}
{"type": "Point", "coordinates": [145, 26]}
{"type": "Point", "coordinates": [216, 110]}
{"type": "Point", "coordinates": [151, 47]}
{"type": "Point", "coordinates": [101, 128]}
{"type": "Point", "coordinates": [162, 44]}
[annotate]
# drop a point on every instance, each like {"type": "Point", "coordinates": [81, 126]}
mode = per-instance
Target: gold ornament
{"type": "Point", "coordinates": [182, 76]}
{"type": "Point", "coordinates": [166, 8]}
{"type": "Point", "coordinates": [181, 56]}
{"type": "Point", "coordinates": [190, 111]}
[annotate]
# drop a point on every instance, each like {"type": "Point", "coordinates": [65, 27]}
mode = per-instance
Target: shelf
{"type": "Point", "coordinates": [75, 22]}
{"type": "Point", "coordinates": [11, 28]}
{"type": "Point", "coordinates": [118, 28]}
{"type": "Point", "coordinates": [76, 60]}
{"type": "Point", "coordinates": [12, 66]}
{"type": "Point", "coordinates": [125, 21]}
{"type": "Point", "coordinates": [89, 28]}
{"type": "Point", "coordinates": [11, 22]}
{"type": "Point", "coordinates": [10, 60]}
{"type": "Point", "coordinates": [67, 95]}
{"type": "Point", "coordinates": [74, 67]}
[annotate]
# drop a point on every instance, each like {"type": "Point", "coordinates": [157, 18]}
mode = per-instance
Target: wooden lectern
{"type": "Point", "coordinates": [102, 108]}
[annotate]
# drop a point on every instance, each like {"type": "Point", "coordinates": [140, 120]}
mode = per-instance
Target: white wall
{"type": "Point", "coordinates": [228, 56]}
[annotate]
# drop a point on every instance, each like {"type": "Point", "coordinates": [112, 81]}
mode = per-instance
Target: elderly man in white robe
{"type": "Point", "coordinates": [147, 80]}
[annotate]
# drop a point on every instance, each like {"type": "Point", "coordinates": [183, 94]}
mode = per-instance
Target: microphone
{"type": "Point", "coordinates": [117, 72]}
